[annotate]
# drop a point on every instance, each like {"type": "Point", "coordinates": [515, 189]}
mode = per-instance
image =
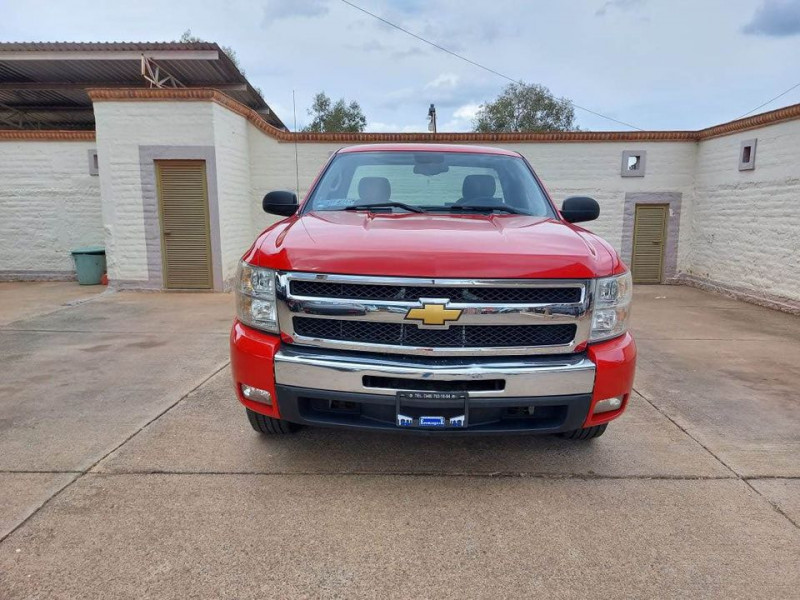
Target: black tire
{"type": "Point", "coordinates": [269, 426]}
{"type": "Point", "coordinates": [588, 433]}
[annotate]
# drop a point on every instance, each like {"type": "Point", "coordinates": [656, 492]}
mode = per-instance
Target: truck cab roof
{"type": "Point", "coordinates": [424, 147]}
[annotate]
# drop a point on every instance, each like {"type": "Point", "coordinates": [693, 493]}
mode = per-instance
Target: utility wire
{"type": "Point", "coordinates": [475, 64]}
{"type": "Point", "coordinates": [796, 85]}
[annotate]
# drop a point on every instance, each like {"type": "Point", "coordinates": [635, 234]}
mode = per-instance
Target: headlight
{"type": "Point", "coordinates": [255, 297]}
{"type": "Point", "coordinates": [612, 307]}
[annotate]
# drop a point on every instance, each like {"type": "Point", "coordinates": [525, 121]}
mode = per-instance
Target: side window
{"type": "Point", "coordinates": [329, 194]}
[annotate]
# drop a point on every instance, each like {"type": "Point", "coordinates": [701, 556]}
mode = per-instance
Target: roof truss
{"type": "Point", "coordinates": [158, 77]}
{"type": "Point", "coordinates": [11, 117]}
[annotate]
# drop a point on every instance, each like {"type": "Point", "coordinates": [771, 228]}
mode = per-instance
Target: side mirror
{"type": "Point", "coordinates": [280, 202]}
{"type": "Point", "coordinates": [580, 208]}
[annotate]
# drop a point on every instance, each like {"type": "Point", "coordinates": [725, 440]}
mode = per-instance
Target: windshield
{"type": "Point", "coordinates": [429, 182]}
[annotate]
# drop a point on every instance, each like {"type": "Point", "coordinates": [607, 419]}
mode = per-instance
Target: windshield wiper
{"type": "Point", "coordinates": [487, 208]}
{"type": "Point", "coordinates": [372, 205]}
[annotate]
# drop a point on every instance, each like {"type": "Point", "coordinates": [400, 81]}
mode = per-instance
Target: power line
{"type": "Point", "coordinates": [473, 63]}
{"type": "Point", "coordinates": [796, 85]}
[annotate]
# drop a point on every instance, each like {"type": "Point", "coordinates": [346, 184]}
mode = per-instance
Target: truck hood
{"type": "Point", "coordinates": [417, 245]}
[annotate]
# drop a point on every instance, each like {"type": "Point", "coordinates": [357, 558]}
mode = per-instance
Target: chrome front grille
{"type": "Point", "coordinates": [458, 336]}
{"type": "Point", "coordinates": [505, 317]}
{"type": "Point", "coordinates": [492, 295]}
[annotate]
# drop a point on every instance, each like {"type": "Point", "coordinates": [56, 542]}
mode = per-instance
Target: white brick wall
{"type": "Point", "coordinates": [272, 167]}
{"type": "Point", "coordinates": [567, 169]}
{"type": "Point", "coordinates": [593, 169]}
{"type": "Point", "coordinates": [738, 228]}
{"type": "Point", "coordinates": [121, 128]}
{"type": "Point", "coordinates": [49, 204]}
{"type": "Point", "coordinates": [233, 185]}
{"type": "Point", "coordinates": [746, 224]}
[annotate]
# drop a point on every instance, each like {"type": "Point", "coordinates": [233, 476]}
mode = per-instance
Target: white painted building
{"type": "Point", "coordinates": [731, 226]}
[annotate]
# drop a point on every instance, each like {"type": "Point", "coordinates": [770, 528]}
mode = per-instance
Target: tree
{"type": "Point", "coordinates": [525, 107]}
{"type": "Point", "coordinates": [335, 117]}
{"type": "Point", "coordinates": [188, 38]}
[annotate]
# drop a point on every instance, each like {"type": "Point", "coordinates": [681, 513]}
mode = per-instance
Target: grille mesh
{"type": "Point", "coordinates": [462, 336]}
{"type": "Point", "coordinates": [499, 295]}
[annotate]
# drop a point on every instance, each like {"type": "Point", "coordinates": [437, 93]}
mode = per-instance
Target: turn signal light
{"type": "Point", "coordinates": [256, 395]}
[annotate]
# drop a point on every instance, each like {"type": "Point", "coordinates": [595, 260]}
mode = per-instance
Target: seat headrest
{"type": "Point", "coordinates": [478, 186]}
{"type": "Point", "coordinates": [374, 189]}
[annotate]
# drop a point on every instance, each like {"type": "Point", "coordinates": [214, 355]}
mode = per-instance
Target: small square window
{"type": "Point", "coordinates": [94, 165]}
{"type": "Point", "coordinates": [633, 163]}
{"type": "Point", "coordinates": [747, 155]}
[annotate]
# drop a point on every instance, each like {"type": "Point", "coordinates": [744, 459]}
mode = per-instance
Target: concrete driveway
{"type": "Point", "coordinates": [127, 469]}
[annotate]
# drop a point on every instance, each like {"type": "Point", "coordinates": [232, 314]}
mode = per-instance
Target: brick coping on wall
{"type": "Point", "coordinates": [787, 113]}
{"type": "Point", "coordinates": [46, 135]}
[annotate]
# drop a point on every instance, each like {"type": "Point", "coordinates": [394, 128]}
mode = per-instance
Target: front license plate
{"type": "Point", "coordinates": [432, 410]}
{"type": "Point", "coordinates": [432, 421]}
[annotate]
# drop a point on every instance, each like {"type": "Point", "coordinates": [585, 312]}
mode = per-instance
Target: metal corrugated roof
{"type": "Point", "coordinates": [42, 84]}
{"type": "Point", "coordinates": [103, 46]}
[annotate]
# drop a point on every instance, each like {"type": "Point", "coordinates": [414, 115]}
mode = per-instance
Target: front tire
{"type": "Point", "coordinates": [268, 426]}
{"type": "Point", "coordinates": [587, 433]}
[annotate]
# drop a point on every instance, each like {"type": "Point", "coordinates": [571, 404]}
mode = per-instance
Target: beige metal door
{"type": "Point", "coordinates": [649, 238]}
{"type": "Point", "coordinates": [183, 212]}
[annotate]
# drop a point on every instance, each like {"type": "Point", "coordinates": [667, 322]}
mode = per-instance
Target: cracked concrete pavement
{"type": "Point", "coordinates": [127, 469]}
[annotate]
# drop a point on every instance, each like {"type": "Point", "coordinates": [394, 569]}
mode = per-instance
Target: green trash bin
{"type": "Point", "coordinates": [90, 264]}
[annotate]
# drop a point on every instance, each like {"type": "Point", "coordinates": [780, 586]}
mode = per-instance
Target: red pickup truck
{"type": "Point", "coordinates": [432, 288]}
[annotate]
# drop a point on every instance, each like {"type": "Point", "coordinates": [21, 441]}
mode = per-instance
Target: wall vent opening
{"type": "Point", "coordinates": [633, 163]}
{"type": "Point", "coordinates": [94, 164]}
{"type": "Point", "coordinates": [747, 155]}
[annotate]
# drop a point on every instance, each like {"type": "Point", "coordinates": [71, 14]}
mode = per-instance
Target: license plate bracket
{"type": "Point", "coordinates": [432, 410]}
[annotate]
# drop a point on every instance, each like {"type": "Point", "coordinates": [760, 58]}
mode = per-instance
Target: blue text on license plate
{"type": "Point", "coordinates": [431, 422]}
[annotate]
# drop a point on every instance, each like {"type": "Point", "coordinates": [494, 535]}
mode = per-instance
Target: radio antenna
{"type": "Point", "coordinates": [296, 161]}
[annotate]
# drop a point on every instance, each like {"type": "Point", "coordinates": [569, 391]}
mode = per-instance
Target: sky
{"type": "Point", "coordinates": [656, 64]}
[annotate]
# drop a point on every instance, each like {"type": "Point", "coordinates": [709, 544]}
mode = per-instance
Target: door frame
{"type": "Point", "coordinates": [157, 166]}
{"type": "Point", "coordinates": [669, 271]}
{"type": "Point", "coordinates": [664, 232]}
{"type": "Point", "coordinates": [150, 208]}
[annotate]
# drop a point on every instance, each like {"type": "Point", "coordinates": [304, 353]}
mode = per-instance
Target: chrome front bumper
{"type": "Point", "coordinates": [527, 377]}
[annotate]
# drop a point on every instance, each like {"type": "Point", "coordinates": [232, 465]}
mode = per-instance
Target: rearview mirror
{"type": "Point", "coordinates": [280, 202]}
{"type": "Point", "coordinates": [430, 169]}
{"type": "Point", "coordinates": [577, 209]}
{"type": "Point", "coordinates": [429, 163]}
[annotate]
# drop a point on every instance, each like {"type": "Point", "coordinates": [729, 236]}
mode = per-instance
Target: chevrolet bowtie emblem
{"type": "Point", "coordinates": [433, 314]}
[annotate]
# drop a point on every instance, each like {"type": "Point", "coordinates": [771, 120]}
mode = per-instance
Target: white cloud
{"type": "Point", "coordinates": [443, 81]}
{"type": "Point", "coordinates": [776, 18]}
{"type": "Point", "coordinates": [461, 119]}
{"type": "Point", "coordinates": [617, 4]}
{"type": "Point", "coordinates": [468, 111]}
{"type": "Point", "coordinates": [381, 127]}
{"type": "Point", "coordinates": [275, 10]}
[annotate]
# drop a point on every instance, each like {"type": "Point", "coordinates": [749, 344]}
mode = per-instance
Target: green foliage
{"type": "Point", "coordinates": [525, 107]}
{"type": "Point", "coordinates": [188, 38]}
{"type": "Point", "coordinates": [335, 117]}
